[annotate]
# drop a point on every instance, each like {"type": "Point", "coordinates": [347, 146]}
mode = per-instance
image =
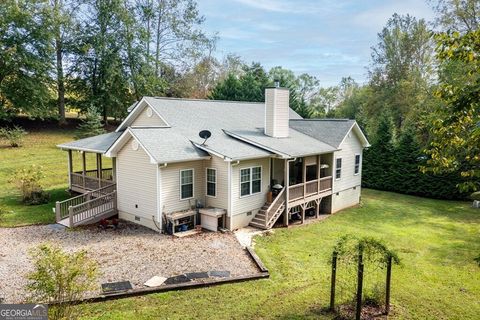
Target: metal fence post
{"type": "Point", "coordinates": [387, 285]}
{"type": "Point", "coordinates": [359, 284]}
{"type": "Point", "coordinates": [334, 278]}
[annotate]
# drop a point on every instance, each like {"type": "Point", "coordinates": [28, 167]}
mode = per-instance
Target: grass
{"type": "Point", "coordinates": [39, 148]}
{"type": "Point", "coordinates": [436, 240]}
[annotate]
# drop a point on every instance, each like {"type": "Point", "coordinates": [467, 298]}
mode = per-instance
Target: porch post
{"type": "Point", "coordinates": [303, 211]}
{"type": "Point", "coordinates": [99, 169]}
{"type": "Point", "coordinates": [70, 169]}
{"type": "Point", "coordinates": [318, 173]}
{"type": "Point", "coordinates": [84, 162]}
{"type": "Point", "coordinates": [304, 178]}
{"type": "Point", "coordinates": [99, 165]}
{"type": "Point", "coordinates": [114, 169]}
{"type": "Point", "coordinates": [84, 171]}
{"type": "Point", "coordinates": [287, 182]}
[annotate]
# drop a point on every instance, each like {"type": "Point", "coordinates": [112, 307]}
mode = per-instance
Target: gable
{"type": "Point", "coordinates": [148, 118]}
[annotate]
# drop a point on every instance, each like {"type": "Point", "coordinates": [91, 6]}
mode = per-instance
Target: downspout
{"type": "Point", "coordinates": [229, 211]}
{"type": "Point", "coordinates": [159, 196]}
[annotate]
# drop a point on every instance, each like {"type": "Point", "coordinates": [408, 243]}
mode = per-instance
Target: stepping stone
{"type": "Point", "coordinates": [177, 279]}
{"type": "Point", "coordinates": [57, 226]}
{"type": "Point", "coordinates": [114, 287]}
{"type": "Point", "coordinates": [155, 281]}
{"type": "Point", "coordinates": [196, 275]}
{"type": "Point", "coordinates": [220, 274]}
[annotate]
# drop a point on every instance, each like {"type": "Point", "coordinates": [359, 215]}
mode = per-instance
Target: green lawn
{"type": "Point", "coordinates": [39, 148]}
{"type": "Point", "coordinates": [436, 240]}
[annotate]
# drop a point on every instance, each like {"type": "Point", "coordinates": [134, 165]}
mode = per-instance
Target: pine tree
{"type": "Point", "coordinates": [91, 125]}
{"type": "Point", "coordinates": [379, 158]}
{"type": "Point", "coordinates": [406, 175]}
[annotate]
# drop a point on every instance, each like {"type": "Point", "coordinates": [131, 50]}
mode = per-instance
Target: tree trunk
{"type": "Point", "coordinates": [60, 81]}
{"type": "Point", "coordinates": [157, 51]}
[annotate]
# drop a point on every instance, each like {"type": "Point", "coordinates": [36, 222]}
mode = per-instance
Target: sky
{"type": "Point", "coordinates": [325, 38]}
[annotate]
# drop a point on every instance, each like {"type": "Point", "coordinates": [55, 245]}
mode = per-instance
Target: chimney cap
{"type": "Point", "coordinates": [276, 83]}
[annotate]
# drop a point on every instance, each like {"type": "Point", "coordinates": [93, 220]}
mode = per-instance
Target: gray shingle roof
{"type": "Point", "coordinates": [98, 144]}
{"type": "Point", "coordinates": [295, 145]}
{"type": "Point", "coordinates": [188, 117]}
{"type": "Point", "coordinates": [166, 145]}
{"type": "Point", "coordinates": [331, 131]}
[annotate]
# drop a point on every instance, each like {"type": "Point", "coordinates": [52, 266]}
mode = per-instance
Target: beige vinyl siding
{"type": "Point", "coordinates": [349, 148]}
{"type": "Point", "coordinates": [345, 199]}
{"type": "Point", "coordinates": [242, 205]}
{"type": "Point", "coordinates": [170, 185]}
{"type": "Point", "coordinates": [221, 198]}
{"type": "Point", "coordinates": [348, 186]}
{"type": "Point", "coordinates": [143, 120]}
{"type": "Point", "coordinates": [136, 185]}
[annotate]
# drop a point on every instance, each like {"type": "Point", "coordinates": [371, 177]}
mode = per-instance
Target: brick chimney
{"type": "Point", "coordinates": [277, 111]}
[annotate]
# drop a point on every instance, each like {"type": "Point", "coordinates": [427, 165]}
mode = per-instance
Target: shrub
{"type": "Point", "coordinates": [475, 196]}
{"type": "Point", "coordinates": [27, 180]}
{"type": "Point", "coordinates": [14, 135]}
{"type": "Point", "coordinates": [59, 276]}
{"type": "Point", "coordinates": [91, 125]}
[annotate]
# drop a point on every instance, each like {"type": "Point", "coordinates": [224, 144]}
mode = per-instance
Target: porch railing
{"type": "Point", "coordinates": [92, 208]}
{"type": "Point", "coordinates": [106, 174]}
{"type": "Point", "coordinates": [85, 182]}
{"type": "Point", "coordinates": [275, 209]}
{"type": "Point", "coordinates": [61, 207]}
{"type": "Point", "coordinates": [309, 188]}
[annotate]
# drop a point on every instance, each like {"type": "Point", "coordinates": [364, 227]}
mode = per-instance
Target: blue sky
{"type": "Point", "coordinates": [325, 38]}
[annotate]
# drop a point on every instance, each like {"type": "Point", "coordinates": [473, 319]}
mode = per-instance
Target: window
{"type": "Point", "coordinates": [186, 184]}
{"type": "Point", "coordinates": [357, 164]}
{"type": "Point", "coordinates": [338, 169]}
{"type": "Point", "coordinates": [211, 182]}
{"type": "Point", "coordinates": [250, 181]}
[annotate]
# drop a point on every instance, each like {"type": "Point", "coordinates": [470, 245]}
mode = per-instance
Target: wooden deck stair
{"type": "Point", "coordinates": [269, 213]}
{"type": "Point", "coordinates": [87, 208]}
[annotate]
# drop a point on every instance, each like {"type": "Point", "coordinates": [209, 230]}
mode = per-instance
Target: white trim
{"type": "Point", "coordinates": [259, 145]}
{"type": "Point", "coordinates": [229, 196]}
{"type": "Point", "coordinates": [251, 181]}
{"type": "Point", "coordinates": [120, 142]}
{"type": "Point", "coordinates": [159, 197]}
{"type": "Point", "coordinates": [136, 111]}
{"type": "Point", "coordinates": [65, 148]}
{"type": "Point", "coordinates": [359, 163]}
{"type": "Point", "coordinates": [201, 147]}
{"type": "Point", "coordinates": [341, 168]}
{"type": "Point", "coordinates": [206, 182]}
{"type": "Point", "coordinates": [193, 183]}
{"type": "Point", "coordinates": [359, 131]}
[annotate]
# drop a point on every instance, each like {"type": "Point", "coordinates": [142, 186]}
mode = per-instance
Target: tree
{"type": "Point", "coordinates": [401, 70]}
{"type": "Point", "coordinates": [91, 125]}
{"type": "Point", "coordinates": [379, 159]}
{"type": "Point", "coordinates": [25, 53]}
{"type": "Point", "coordinates": [455, 126]}
{"type": "Point", "coordinates": [457, 15]}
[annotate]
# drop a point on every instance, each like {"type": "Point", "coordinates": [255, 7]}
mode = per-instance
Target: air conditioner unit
{"type": "Point", "coordinates": [476, 204]}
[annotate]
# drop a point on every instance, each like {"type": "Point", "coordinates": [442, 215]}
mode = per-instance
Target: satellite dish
{"type": "Point", "coordinates": [205, 134]}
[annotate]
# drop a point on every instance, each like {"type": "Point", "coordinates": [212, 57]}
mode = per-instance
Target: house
{"type": "Point", "coordinates": [162, 169]}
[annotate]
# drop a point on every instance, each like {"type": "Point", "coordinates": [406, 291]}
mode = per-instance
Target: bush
{"type": "Point", "coordinates": [475, 196]}
{"type": "Point", "coordinates": [27, 182]}
{"type": "Point", "coordinates": [14, 136]}
{"type": "Point", "coordinates": [59, 276]}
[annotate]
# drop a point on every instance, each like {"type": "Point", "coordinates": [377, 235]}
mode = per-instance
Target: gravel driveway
{"type": "Point", "coordinates": [130, 253]}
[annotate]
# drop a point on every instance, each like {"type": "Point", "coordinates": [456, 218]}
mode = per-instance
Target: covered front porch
{"type": "Point", "coordinates": [85, 178]}
{"type": "Point", "coordinates": [91, 175]}
{"type": "Point", "coordinates": [298, 185]}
